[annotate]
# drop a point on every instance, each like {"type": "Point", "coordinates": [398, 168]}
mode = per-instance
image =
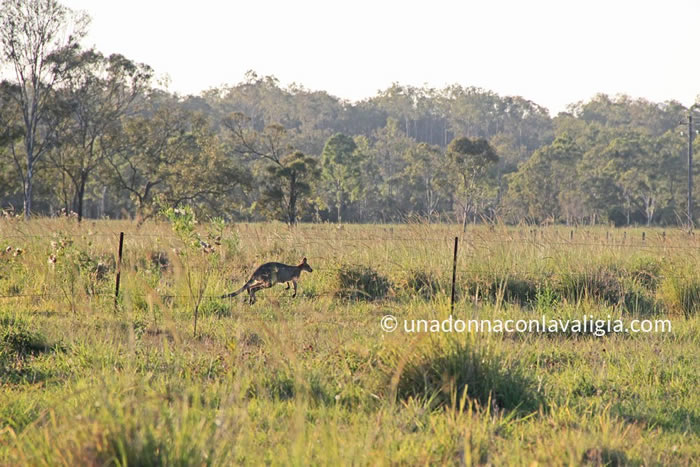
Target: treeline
{"type": "Point", "coordinates": [96, 135]}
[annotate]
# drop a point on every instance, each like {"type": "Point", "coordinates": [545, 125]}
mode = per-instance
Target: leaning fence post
{"type": "Point", "coordinates": [119, 267]}
{"type": "Point", "coordinates": [454, 276]}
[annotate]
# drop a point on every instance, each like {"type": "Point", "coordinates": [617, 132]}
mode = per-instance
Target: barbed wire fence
{"type": "Point", "coordinates": [535, 238]}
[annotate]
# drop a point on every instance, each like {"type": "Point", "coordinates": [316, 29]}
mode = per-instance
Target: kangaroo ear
{"type": "Point", "coordinates": [303, 261]}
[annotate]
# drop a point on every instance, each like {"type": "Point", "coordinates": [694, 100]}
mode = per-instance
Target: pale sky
{"type": "Point", "coordinates": [551, 52]}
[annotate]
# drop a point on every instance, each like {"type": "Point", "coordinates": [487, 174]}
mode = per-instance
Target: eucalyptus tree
{"type": "Point", "coordinates": [97, 95]}
{"type": "Point", "coordinates": [34, 34]}
{"type": "Point", "coordinates": [341, 170]}
{"type": "Point", "coordinates": [470, 161]}
{"type": "Point", "coordinates": [426, 178]}
{"type": "Point", "coordinates": [537, 190]}
{"type": "Point", "coordinates": [287, 184]}
{"type": "Point", "coordinates": [170, 156]}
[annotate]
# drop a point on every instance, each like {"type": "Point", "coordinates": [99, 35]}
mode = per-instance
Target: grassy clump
{"type": "Point", "coordinates": [646, 272]}
{"type": "Point", "coordinates": [215, 307]}
{"type": "Point", "coordinates": [638, 300]}
{"type": "Point", "coordinates": [422, 283]}
{"type": "Point", "coordinates": [601, 283]}
{"type": "Point", "coordinates": [680, 292]}
{"type": "Point", "coordinates": [442, 371]}
{"type": "Point", "coordinates": [501, 287]}
{"type": "Point", "coordinates": [357, 282]}
{"type": "Point", "coordinates": [19, 341]}
{"type": "Point", "coordinates": [604, 456]}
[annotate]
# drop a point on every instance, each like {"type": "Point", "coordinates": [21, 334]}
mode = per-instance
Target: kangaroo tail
{"type": "Point", "coordinates": [245, 287]}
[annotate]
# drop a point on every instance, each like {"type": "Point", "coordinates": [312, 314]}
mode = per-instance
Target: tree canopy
{"type": "Point", "coordinates": [94, 134]}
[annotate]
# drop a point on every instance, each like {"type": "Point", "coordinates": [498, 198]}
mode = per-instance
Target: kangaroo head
{"type": "Point", "coordinates": [305, 266]}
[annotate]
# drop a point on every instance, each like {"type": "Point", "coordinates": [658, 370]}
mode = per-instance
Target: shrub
{"type": "Point", "coordinates": [356, 282]}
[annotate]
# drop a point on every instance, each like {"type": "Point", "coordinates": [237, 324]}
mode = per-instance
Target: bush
{"type": "Point", "coordinates": [356, 282]}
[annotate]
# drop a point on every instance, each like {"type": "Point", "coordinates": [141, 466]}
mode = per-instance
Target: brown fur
{"type": "Point", "coordinates": [270, 274]}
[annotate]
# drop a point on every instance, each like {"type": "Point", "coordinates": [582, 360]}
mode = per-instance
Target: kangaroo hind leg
{"type": "Point", "coordinates": [255, 288]}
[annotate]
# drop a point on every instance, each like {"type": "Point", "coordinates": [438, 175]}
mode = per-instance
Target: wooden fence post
{"type": "Point", "coordinates": [454, 275]}
{"type": "Point", "coordinates": [119, 268]}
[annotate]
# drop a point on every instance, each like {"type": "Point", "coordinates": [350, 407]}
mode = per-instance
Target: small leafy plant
{"type": "Point", "coordinates": [199, 258]}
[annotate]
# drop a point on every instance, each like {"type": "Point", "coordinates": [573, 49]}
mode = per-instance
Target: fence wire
{"type": "Point", "coordinates": [468, 241]}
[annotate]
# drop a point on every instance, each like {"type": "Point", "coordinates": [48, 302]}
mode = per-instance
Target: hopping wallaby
{"type": "Point", "coordinates": [270, 274]}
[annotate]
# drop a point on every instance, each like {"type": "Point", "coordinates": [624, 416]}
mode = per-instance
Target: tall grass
{"type": "Point", "coordinates": [314, 380]}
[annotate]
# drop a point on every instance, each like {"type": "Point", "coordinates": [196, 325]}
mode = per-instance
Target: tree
{"type": "Point", "coordinates": [10, 133]}
{"type": "Point", "coordinates": [269, 144]}
{"type": "Point", "coordinates": [34, 34]}
{"type": "Point", "coordinates": [541, 188]}
{"type": "Point", "coordinates": [340, 170]}
{"type": "Point", "coordinates": [369, 201]}
{"type": "Point", "coordinates": [172, 156]}
{"type": "Point", "coordinates": [390, 144]}
{"type": "Point", "coordinates": [98, 93]}
{"type": "Point", "coordinates": [470, 161]}
{"type": "Point", "coordinates": [287, 182]}
{"type": "Point", "coordinates": [426, 177]}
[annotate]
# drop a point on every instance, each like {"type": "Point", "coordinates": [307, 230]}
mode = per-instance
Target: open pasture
{"type": "Point", "coordinates": [315, 380]}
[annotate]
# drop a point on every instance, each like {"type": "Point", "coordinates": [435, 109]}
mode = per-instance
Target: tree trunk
{"type": "Point", "coordinates": [29, 147]}
{"type": "Point", "coordinates": [28, 194]}
{"type": "Point", "coordinates": [292, 208]}
{"type": "Point", "coordinates": [338, 200]}
{"type": "Point", "coordinates": [81, 195]}
{"type": "Point", "coordinates": [103, 201]}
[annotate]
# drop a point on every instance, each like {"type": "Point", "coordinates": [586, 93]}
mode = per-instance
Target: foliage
{"type": "Point", "coordinates": [287, 186]}
{"type": "Point", "coordinates": [340, 171]}
{"type": "Point", "coordinates": [92, 133]}
{"type": "Point", "coordinates": [200, 259]}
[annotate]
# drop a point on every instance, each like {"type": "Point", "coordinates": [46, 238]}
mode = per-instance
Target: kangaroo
{"type": "Point", "coordinates": [270, 274]}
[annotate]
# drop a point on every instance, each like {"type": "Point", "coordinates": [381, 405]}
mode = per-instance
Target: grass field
{"type": "Point", "coordinates": [315, 380]}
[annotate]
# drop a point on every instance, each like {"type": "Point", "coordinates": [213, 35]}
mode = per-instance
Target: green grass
{"type": "Point", "coordinates": [314, 380]}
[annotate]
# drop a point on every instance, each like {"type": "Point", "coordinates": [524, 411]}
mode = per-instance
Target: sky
{"type": "Point", "coordinates": [551, 52]}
